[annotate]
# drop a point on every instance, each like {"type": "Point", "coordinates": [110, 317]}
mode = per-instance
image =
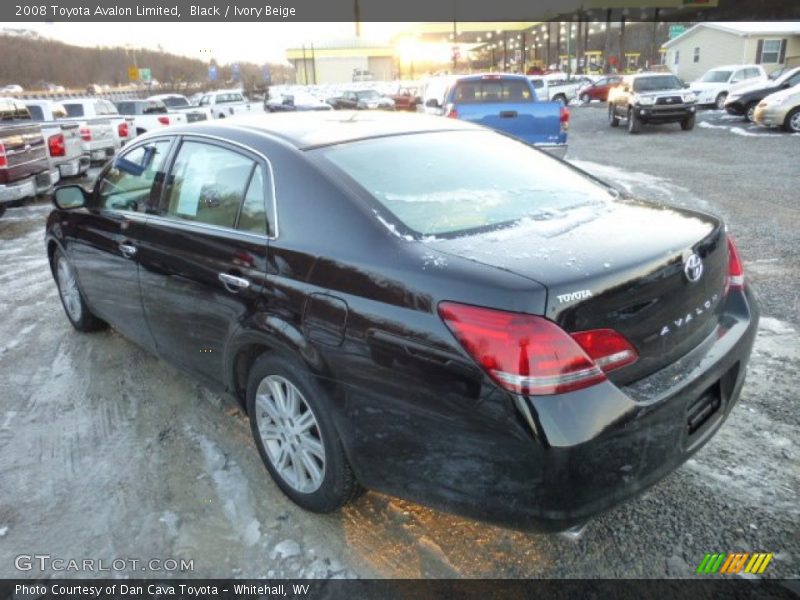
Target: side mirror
{"type": "Point", "coordinates": [786, 85]}
{"type": "Point", "coordinates": [69, 196]}
{"type": "Point", "coordinates": [735, 80]}
{"type": "Point", "coordinates": [685, 85]}
{"type": "Point", "coordinates": [433, 103]}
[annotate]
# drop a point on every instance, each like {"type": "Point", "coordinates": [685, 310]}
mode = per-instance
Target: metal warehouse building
{"type": "Point", "coordinates": [341, 61]}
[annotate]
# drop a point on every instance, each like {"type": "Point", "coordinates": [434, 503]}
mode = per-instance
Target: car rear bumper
{"type": "Point", "coordinates": [557, 150]}
{"type": "Point", "coordinates": [549, 463]}
{"type": "Point", "coordinates": [74, 166]}
{"type": "Point", "coordinates": [19, 190]}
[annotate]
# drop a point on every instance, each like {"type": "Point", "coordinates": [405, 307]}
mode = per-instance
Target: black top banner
{"type": "Point", "coordinates": [393, 10]}
{"type": "Point", "coordinates": [403, 589]}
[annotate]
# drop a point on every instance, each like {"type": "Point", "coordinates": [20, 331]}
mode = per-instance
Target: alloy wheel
{"type": "Point", "coordinates": [794, 122]}
{"type": "Point", "coordinates": [68, 288]}
{"type": "Point", "coordinates": [290, 434]}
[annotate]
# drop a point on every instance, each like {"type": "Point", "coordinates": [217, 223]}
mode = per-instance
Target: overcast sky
{"type": "Point", "coordinates": [228, 42]}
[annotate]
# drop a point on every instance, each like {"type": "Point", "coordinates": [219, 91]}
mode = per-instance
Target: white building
{"type": "Point", "coordinates": [708, 45]}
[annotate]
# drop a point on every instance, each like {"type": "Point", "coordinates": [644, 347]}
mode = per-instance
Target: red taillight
{"type": "Point", "coordinates": [86, 134]}
{"type": "Point", "coordinates": [735, 268]}
{"type": "Point", "coordinates": [608, 349]}
{"type": "Point", "coordinates": [56, 145]}
{"type": "Point", "coordinates": [564, 118]}
{"type": "Point", "coordinates": [163, 120]}
{"type": "Point", "coordinates": [3, 159]}
{"type": "Point", "coordinates": [122, 130]}
{"type": "Point", "coordinates": [451, 112]}
{"type": "Point", "coordinates": [527, 354]}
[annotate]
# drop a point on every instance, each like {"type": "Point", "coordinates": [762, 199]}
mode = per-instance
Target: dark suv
{"type": "Point", "coordinates": [652, 98]}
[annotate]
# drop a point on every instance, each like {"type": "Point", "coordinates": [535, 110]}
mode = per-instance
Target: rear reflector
{"type": "Point", "coordinates": [86, 134]}
{"type": "Point", "coordinates": [163, 120]}
{"type": "Point", "coordinates": [735, 267]}
{"type": "Point", "coordinates": [56, 145]}
{"type": "Point", "coordinates": [3, 159]}
{"type": "Point", "coordinates": [527, 354]}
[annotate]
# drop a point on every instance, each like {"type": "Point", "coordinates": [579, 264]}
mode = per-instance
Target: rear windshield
{"type": "Point", "coordinates": [175, 101]}
{"type": "Point", "coordinates": [126, 108]}
{"type": "Point", "coordinates": [485, 91]}
{"type": "Point", "coordinates": [74, 110]}
{"type": "Point", "coordinates": [454, 182]}
{"type": "Point", "coordinates": [655, 83]}
{"type": "Point", "coordinates": [154, 108]}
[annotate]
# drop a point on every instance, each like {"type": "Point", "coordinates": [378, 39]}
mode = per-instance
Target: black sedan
{"type": "Point", "coordinates": [416, 305]}
{"type": "Point", "coordinates": [743, 101]}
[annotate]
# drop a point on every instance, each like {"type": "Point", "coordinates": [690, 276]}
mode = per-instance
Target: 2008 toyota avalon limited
{"type": "Point", "coordinates": [418, 306]}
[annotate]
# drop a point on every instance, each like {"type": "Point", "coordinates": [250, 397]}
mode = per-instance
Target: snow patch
{"type": "Point", "coordinates": [285, 549]}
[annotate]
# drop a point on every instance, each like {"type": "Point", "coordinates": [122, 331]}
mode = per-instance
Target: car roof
{"type": "Point", "coordinates": [309, 130]}
{"type": "Point", "coordinates": [648, 74]}
{"type": "Point", "coordinates": [489, 76]}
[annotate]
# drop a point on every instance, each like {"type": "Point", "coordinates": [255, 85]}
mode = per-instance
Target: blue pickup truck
{"type": "Point", "coordinates": [504, 102]}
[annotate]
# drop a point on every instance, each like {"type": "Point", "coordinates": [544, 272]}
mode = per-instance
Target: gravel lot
{"type": "Point", "coordinates": [107, 452]}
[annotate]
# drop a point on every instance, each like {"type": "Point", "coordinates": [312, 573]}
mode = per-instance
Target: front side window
{"type": "Point", "coordinates": [208, 183]}
{"type": "Point", "coordinates": [129, 183]}
{"type": "Point", "coordinates": [770, 51]}
{"type": "Point", "coordinates": [438, 182]}
{"type": "Point", "coordinates": [59, 112]}
{"type": "Point", "coordinates": [205, 100]}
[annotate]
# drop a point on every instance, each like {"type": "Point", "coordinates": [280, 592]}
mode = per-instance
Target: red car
{"type": "Point", "coordinates": [405, 99]}
{"type": "Point", "coordinates": [599, 89]}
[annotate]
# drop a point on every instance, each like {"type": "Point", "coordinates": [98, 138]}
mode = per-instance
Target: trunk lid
{"type": "Point", "coordinates": [622, 266]}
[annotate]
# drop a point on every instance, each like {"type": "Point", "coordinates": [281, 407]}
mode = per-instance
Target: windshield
{"type": "Point", "coordinates": [175, 101]}
{"type": "Point", "coordinates": [450, 182]}
{"type": "Point", "coordinates": [716, 76]}
{"type": "Point", "coordinates": [655, 83]}
{"type": "Point", "coordinates": [367, 95]}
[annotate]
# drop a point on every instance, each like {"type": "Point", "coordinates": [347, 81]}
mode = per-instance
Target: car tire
{"type": "Point", "coordinates": [613, 119]}
{"type": "Point", "coordinates": [749, 110]}
{"type": "Point", "coordinates": [720, 100]}
{"type": "Point", "coordinates": [586, 98]}
{"type": "Point", "coordinates": [791, 123]}
{"type": "Point", "coordinates": [280, 397]}
{"type": "Point", "coordinates": [688, 123]}
{"type": "Point", "coordinates": [634, 124]}
{"type": "Point", "coordinates": [72, 300]}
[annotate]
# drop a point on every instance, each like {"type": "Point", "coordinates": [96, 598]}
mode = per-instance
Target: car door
{"type": "Point", "coordinates": [104, 239]}
{"type": "Point", "coordinates": [203, 262]}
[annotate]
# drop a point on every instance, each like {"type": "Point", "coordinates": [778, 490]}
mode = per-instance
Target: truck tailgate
{"type": "Point", "coordinates": [532, 122]}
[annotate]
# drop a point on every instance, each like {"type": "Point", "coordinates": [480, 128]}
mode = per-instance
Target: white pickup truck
{"type": "Point", "coordinates": [149, 115]}
{"type": "Point", "coordinates": [63, 138]}
{"type": "Point", "coordinates": [555, 88]}
{"type": "Point", "coordinates": [104, 130]}
{"type": "Point", "coordinates": [180, 103]}
{"type": "Point", "coordinates": [226, 103]}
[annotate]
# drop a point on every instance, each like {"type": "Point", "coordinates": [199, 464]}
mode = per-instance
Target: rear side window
{"type": "Point", "coordinates": [208, 184]}
{"type": "Point", "coordinates": [253, 217]}
{"type": "Point", "coordinates": [59, 112]}
{"type": "Point", "coordinates": [488, 91]}
{"type": "Point", "coordinates": [128, 184]}
{"type": "Point", "coordinates": [74, 110]}
{"type": "Point", "coordinates": [37, 114]}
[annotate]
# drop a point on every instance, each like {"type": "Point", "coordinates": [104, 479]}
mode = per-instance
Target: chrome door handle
{"type": "Point", "coordinates": [234, 283]}
{"type": "Point", "coordinates": [128, 250]}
